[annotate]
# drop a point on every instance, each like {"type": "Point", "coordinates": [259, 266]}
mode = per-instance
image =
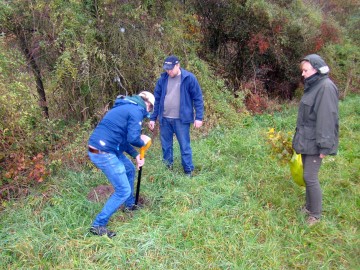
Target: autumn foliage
{"type": "Point", "coordinates": [264, 40]}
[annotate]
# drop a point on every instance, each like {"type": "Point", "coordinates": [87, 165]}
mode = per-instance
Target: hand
{"type": "Point", "coordinates": [322, 155]}
{"type": "Point", "coordinates": [197, 123]}
{"type": "Point", "coordinates": [145, 138]}
{"type": "Point", "coordinates": [139, 162]}
{"type": "Point", "coordinates": [151, 125]}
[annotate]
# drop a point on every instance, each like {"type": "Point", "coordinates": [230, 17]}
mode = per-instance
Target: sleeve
{"type": "Point", "coordinates": [197, 99]}
{"type": "Point", "coordinates": [134, 128]}
{"type": "Point", "coordinates": [326, 118]}
{"type": "Point", "coordinates": [131, 150]}
{"type": "Point", "coordinates": [157, 95]}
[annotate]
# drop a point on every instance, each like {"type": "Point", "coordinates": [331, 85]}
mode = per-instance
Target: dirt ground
{"type": "Point", "coordinates": [102, 193]}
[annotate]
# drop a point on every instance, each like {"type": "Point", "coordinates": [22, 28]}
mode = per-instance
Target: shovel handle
{"type": "Point", "coordinates": [144, 148]}
{"type": "Point", "coordinates": [138, 187]}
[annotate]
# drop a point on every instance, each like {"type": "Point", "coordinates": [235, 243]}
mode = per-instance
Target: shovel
{"type": "Point", "coordinates": [142, 155]}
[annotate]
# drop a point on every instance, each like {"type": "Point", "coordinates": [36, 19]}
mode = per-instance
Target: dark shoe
{"type": "Point", "coordinates": [188, 174]}
{"type": "Point", "coordinates": [312, 220]}
{"type": "Point", "coordinates": [134, 207]}
{"type": "Point", "coordinates": [102, 230]}
{"type": "Point", "coordinates": [169, 166]}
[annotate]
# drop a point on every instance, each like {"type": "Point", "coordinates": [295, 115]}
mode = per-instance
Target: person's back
{"type": "Point", "coordinates": [120, 126]}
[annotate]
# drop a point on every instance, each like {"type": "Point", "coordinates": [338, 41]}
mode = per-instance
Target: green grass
{"type": "Point", "coordinates": [240, 211]}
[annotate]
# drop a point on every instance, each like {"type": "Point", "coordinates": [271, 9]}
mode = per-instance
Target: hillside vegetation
{"type": "Point", "coordinates": [62, 63]}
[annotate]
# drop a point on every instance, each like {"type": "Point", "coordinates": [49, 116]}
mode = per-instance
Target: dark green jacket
{"type": "Point", "coordinates": [317, 127]}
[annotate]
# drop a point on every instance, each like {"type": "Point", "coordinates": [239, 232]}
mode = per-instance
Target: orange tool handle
{"type": "Point", "coordinates": [144, 148]}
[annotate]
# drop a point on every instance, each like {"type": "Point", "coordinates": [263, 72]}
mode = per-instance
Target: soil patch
{"type": "Point", "coordinates": [100, 193]}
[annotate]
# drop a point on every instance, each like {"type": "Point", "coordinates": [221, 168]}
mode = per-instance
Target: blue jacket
{"type": "Point", "coordinates": [190, 98]}
{"type": "Point", "coordinates": [120, 129]}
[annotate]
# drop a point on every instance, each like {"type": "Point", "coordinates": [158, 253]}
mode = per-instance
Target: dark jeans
{"type": "Point", "coordinates": [168, 127]}
{"type": "Point", "coordinates": [312, 165]}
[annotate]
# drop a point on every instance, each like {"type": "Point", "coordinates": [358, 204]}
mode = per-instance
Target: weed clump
{"type": "Point", "coordinates": [280, 145]}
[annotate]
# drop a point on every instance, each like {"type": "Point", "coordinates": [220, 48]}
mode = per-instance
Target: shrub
{"type": "Point", "coordinates": [263, 40]}
{"type": "Point", "coordinates": [343, 61]}
{"type": "Point", "coordinates": [280, 145]}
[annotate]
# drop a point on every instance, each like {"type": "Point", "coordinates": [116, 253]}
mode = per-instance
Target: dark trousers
{"type": "Point", "coordinates": [313, 202]}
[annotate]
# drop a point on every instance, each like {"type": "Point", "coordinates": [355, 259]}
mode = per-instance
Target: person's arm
{"type": "Point", "coordinates": [134, 127]}
{"type": "Point", "coordinates": [155, 113]}
{"type": "Point", "coordinates": [131, 151]}
{"type": "Point", "coordinates": [157, 95]}
{"type": "Point", "coordinates": [326, 119]}
{"type": "Point", "coordinates": [197, 97]}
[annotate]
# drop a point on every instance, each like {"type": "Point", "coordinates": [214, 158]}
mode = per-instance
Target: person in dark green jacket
{"type": "Point", "coordinates": [317, 128]}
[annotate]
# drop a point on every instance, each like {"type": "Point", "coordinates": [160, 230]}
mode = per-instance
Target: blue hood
{"type": "Point", "coordinates": [137, 100]}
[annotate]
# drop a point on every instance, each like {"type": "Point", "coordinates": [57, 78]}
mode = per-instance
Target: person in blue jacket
{"type": "Point", "coordinates": [117, 133]}
{"type": "Point", "coordinates": [178, 103]}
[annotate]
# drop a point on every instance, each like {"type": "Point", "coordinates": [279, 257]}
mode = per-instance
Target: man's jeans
{"type": "Point", "coordinates": [130, 173]}
{"type": "Point", "coordinates": [120, 171]}
{"type": "Point", "coordinates": [312, 165]}
{"type": "Point", "coordinates": [168, 127]}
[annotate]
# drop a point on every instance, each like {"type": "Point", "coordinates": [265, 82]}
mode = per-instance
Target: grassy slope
{"type": "Point", "coordinates": [239, 212]}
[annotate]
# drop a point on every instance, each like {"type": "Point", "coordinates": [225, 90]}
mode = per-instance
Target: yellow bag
{"type": "Point", "coordinates": [296, 169]}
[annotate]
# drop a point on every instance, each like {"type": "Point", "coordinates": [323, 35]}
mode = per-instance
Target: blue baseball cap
{"type": "Point", "coordinates": [170, 62]}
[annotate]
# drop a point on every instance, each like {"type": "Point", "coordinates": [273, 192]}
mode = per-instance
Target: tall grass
{"type": "Point", "coordinates": [240, 211]}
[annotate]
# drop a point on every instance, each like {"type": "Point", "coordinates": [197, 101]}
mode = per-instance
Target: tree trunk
{"type": "Point", "coordinates": [36, 71]}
